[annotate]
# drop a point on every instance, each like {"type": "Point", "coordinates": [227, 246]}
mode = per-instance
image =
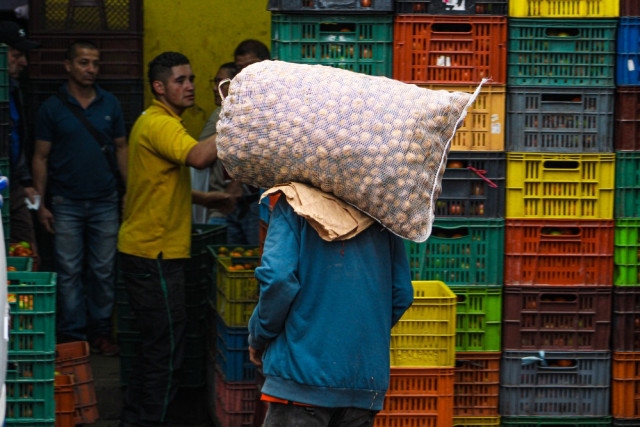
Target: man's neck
{"type": "Point", "coordinates": [83, 94]}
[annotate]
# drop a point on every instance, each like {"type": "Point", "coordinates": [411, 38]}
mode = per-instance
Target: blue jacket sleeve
{"type": "Point", "coordinates": [277, 276]}
{"type": "Point", "coordinates": [402, 292]}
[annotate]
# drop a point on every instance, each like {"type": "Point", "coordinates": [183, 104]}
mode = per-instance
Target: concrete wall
{"type": "Point", "coordinates": [207, 32]}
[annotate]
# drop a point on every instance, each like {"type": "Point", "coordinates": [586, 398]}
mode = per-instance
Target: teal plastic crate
{"type": "Point", "coordinates": [460, 252]}
{"type": "Point", "coordinates": [30, 390]}
{"type": "Point", "coordinates": [32, 305]}
{"type": "Point", "coordinates": [360, 43]}
{"type": "Point", "coordinates": [626, 252]}
{"type": "Point", "coordinates": [4, 73]}
{"type": "Point", "coordinates": [627, 189]}
{"type": "Point", "coordinates": [21, 263]}
{"type": "Point", "coordinates": [478, 318]}
{"type": "Point", "coordinates": [558, 52]}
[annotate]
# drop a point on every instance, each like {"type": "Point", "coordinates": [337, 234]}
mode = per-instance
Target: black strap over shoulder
{"type": "Point", "coordinates": [99, 137]}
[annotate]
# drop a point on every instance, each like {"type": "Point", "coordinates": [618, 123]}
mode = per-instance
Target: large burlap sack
{"type": "Point", "coordinates": [376, 143]}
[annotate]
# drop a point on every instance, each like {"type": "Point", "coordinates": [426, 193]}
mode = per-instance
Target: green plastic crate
{"type": "Point", "coordinates": [30, 390]}
{"type": "Point", "coordinates": [32, 302]}
{"type": "Point", "coordinates": [555, 421]}
{"type": "Point", "coordinates": [360, 43]}
{"type": "Point", "coordinates": [546, 52]}
{"type": "Point", "coordinates": [21, 263]}
{"type": "Point", "coordinates": [4, 73]}
{"type": "Point", "coordinates": [478, 318]}
{"type": "Point", "coordinates": [626, 252]}
{"type": "Point", "coordinates": [460, 252]}
{"type": "Point", "coordinates": [627, 190]}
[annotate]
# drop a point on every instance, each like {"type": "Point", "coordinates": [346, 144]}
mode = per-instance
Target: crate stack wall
{"type": "Point", "coordinates": [440, 45]}
{"type": "Point", "coordinates": [115, 27]}
{"type": "Point", "coordinates": [559, 231]}
{"type": "Point", "coordinates": [626, 291]}
{"type": "Point", "coordinates": [31, 348]}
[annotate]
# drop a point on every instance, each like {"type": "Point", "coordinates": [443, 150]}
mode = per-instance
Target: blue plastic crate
{"type": "Point", "coordinates": [232, 353]}
{"type": "Point", "coordinates": [628, 52]}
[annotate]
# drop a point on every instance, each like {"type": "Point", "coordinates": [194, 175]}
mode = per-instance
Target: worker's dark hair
{"type": "Point", "coordinates": [160, 67]}
{"type": "Point", "coordinates": [72, 50]}
{"type": "Point", "coordinates": [230, 67]}
{"type": "Point", "coordinates": [256, 47]}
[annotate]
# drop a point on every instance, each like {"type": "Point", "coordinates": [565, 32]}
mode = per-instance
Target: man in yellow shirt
{"type": "Point", "coordinates": [155, 235]}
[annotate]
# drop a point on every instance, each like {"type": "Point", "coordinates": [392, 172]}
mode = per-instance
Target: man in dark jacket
{"type": "Point", "coordinates": [20, 181]}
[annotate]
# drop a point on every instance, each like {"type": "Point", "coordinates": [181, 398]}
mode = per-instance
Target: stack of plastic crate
{"type": "Point", "coordinates": [231, 377]}
{"type": "Point", "coordinates": [626, 294]}
{"type": "Point", "coordinates": [31, 349]}
{"type": "Point", "coordinates": [115, 27]}
{"type": "Point", "coordinates": [198, 287]}
{"type": "Point", "coordinates": [422, 358]}
{"type": "Point", "coordinates": [559, 229]}
{"type": "Point", "coordinates": [443, 45]}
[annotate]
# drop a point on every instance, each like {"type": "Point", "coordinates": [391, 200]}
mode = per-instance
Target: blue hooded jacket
{"type": "Point", "coordinates": [325, 312]}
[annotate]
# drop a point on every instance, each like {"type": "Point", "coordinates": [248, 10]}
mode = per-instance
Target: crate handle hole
{"type": "Point", "coordinates": [558, 298]}
{"type": "Point", "coordinates": [334, 27]}
{"type": "Point", "coordinates": [561, 164]}
{"type": "Point", "coordinates": [562, 363]}
{"type": "Point", "coordinates": [451, 28]}
{"type": "Point", "coordinates": [561, 97]}
{"type": "Point", "coordinates": [461, 298]}
{"type": "Point", "coordinates": [560, 231]}
{"type": "Point", "coordinates": [562, 32]}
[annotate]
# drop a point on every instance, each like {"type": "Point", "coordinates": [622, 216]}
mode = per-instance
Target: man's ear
{"type": "Point", "coordinates": [67, 65]}
{"type": "Point", "coordinates": [158, 87]}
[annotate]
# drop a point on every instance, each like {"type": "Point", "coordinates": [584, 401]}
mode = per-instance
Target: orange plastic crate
{"type": "Point", "coordinates": [476, 384]}
{"type": "Point", "coordinates": [558, 252]}
{"type": "Point", "coordinates": [450, 49]}
{"type": "Point", "coordinates": [65, 401]}
{"type": "Point", "coordinates": [625, 383]}
{"type": "Point", "coordinates": [418, 397]}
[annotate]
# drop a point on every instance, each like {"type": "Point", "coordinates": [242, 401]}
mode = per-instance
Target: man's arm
{"type": "Point", "coordinates": [204, 153]}
{"type": "Point", "coordinates": [402, 289]}
{"type": "Point", "coordinates": [212, 199]}
{"type": "Point", "coordinates": [122, 157]}
{"type": "Point", "coordinates": [39, 166]}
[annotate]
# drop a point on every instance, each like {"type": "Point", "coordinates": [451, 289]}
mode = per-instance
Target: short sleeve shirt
{"type": "Point", "coordinates": [77, 166]}
{"type": "Point", "coordinates": [157, 216]}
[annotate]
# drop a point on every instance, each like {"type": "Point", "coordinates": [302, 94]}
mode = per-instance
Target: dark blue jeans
{"type": "Point", "coordinates": [86, 233]}
{"type": "Point", "coordinates": [156, 294]}
{"type": "Point", "coordinates": [289, 415]}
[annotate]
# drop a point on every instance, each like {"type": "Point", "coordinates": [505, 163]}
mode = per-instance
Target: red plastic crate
{"type": "Point", "coordinates": [73, 359]}
{"type": "Point", "coordinates": [556, 318]}
{"type": "Point", "coordinates": [418, 397]}
{"type": "Point", "coordinates": [558, 252]}
{"type": "Point", "coordinates": [450, 49]}
{"type": "Point", "coordinates": [625, 385]}
{"type": "Point", "coordinates": [65, 401]}
{"type": "Point", "coordinates": [120, 55]}
{"type": "Point", "coordinates": [476, 385]}
{"type": "Point", "coordinates": [627, 118]}
{"type": "Point", "coordinates": [626, 318]}
{"type": "Point", "coordinates": [235, 402]}
{"type": "Point", "coordinates": [629, 8]}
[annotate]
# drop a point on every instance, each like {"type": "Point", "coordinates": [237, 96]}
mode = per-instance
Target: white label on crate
{"type": "Point", "coordinates": [496, 128]}
{"type": "Point", "coordinates": [631, 66]}
{"type": "Point", "coordinates": [495, 117]}
{"type": "Point", "coordinates": [443, 61]}
{"type": "Point", "coordinates": [455, 4]}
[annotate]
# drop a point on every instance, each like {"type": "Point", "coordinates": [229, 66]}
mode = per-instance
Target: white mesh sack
{"type": "Point", "coordinates": [376, 143]}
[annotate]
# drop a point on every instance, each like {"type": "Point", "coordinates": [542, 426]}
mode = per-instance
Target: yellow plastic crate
{"type": "Point", "coordinates": [425, 335]}
{"type": "Point", "coordinates": [475, 421]}
{"type": "Point", "coordinates": [483, 128]}
{"type": "Point", "coordinates": [564, 9]}
{"type": "Point", "coordinates": [551, 185]}
{"type": "Point", "coordinates": [234, 313]}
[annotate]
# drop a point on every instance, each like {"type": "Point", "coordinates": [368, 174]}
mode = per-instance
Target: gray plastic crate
{"type": "Point", "coordinates": [329, 6]}
{"type": "Point", "coordinates": [560, 120]}
{"type": "Point", "coordinates": [572, 383]}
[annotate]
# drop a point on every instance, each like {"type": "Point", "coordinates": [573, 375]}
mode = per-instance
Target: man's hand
{"type": "Point", "coordinates": [31, 193]}
{"type": "Point", "coordinates": [46, 218]}
{"type": "Point", "coordinates": [218, 200]}
{"type": "Point", "coordinates": [255, 356]}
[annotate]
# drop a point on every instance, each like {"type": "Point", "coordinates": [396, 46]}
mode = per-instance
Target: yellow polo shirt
{"type": "Point", "coordinates": [157, 215]}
